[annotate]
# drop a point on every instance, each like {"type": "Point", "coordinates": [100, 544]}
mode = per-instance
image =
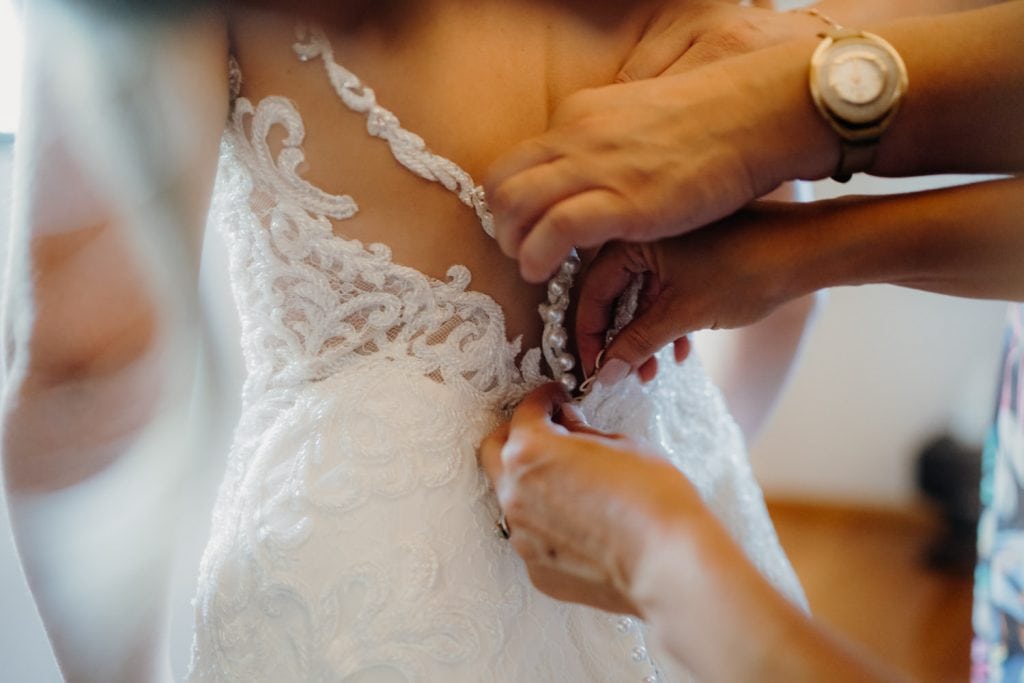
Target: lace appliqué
{"type": "Point", "coordinates": [313, 299]}
{"type": "Point", "coordinates": [411, 151]}
{"type": "Point", "coordinates": [408, 148]}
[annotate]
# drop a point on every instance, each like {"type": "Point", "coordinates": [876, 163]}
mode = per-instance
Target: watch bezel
{"type": "Point", "coordinates": [853, 121]}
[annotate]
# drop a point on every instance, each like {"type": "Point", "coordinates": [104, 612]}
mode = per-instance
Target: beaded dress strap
{"type": "Point", "coordinates": [411, 151]}
{"type": "Point", "coordinates": [408, 148]}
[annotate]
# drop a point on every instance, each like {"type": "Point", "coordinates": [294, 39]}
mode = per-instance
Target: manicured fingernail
{"type": "Point", "coordinates": [613, 372]}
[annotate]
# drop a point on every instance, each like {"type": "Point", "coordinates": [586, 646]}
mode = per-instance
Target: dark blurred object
{"type": "Point", "coordinates": [949, 475]}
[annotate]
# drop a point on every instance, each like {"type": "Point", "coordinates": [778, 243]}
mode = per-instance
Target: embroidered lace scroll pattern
{"type": "Point", "coordinates": [313, 299]}
{"type": "Point", "coordinates": [408, 148]}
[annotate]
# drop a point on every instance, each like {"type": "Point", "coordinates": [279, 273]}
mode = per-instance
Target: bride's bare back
{"type": "Point", "coordinates": [473, 78]}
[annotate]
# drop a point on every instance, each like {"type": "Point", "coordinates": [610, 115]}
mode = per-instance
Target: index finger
{"type": "Point", "coordinates": [539, 406]}
{"type": "Point", "coordinates": [608, 276]}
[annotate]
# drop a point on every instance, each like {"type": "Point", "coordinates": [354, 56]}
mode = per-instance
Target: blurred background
{"type": "Point", "coordinates": [887, 375]}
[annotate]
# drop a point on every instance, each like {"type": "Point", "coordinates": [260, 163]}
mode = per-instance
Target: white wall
{"type": "Point", "coordinates": [885, 370]}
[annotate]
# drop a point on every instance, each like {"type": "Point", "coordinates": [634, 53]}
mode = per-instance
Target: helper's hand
{"type": "Point", "coordinates": [727, 275]}
{"type": "Point", "coordinates": [601, 521]}
{"type": "Point", "coordinates": [686, 34]}
{"type": "Point", "coordinates": [660, 157]}
{"type": "Point", "coordinates": [583, 506]}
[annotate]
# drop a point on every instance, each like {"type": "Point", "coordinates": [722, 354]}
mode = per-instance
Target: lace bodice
{"type": "Point", "coordinates": [314, 302]}
{"type": "Point", "coordinates": [351, 299]}
{"type": "Point", "coordinates": [353, 536]}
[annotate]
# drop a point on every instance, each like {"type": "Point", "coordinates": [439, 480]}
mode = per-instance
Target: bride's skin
{"type": "Point", "coordinates": [92, 506]}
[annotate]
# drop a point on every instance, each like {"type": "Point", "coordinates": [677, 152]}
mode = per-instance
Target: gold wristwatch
{"type": "Point", "coordinates": [857, 82]}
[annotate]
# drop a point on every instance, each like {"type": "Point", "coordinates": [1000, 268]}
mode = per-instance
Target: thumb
{"type": "Point", "coordinates": [572, 418]}
{"type": "Point", "coordinates": [654, 55]}
{"type": "Point", "coordinates": [608, 276]}
{"type": "Point", "coordinates": [653, 329]}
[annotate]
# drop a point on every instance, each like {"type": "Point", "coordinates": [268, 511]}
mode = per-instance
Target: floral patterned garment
{"type": "Point", "coordinates": [998, 651]}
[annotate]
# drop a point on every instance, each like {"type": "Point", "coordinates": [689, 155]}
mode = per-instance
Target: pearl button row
{"type": "Point", "coordinates": [553, 313]}
{"type": "Point", "coordinates": [639, 654]}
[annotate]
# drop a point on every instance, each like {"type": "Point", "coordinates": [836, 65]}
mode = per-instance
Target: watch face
{"type": "Point", "coordinates": [858, 76]}
{"type": "Point", "coordinates": [857, 82]}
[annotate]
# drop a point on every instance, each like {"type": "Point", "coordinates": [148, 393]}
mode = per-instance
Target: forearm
{"type": "Point", "coordinates": [92, 490]}
{"type": "Point", "coordinates": [962, 111]}
{"type": "Point", "coordinates": [96, 542]}
{"type": "Point", "coordinates": [714, 613]}
{"type": "Point", "coordinates": [861, 13]}
{"type": "Point", "coordinates": [605, 522]}
{"type": "Point", "coordinates": [963, 241]}
{"type": "Point", "coordinates": [964, 108]}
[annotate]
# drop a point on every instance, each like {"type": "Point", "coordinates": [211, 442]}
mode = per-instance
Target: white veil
{"type": "Point", "coordinates": [130, 130]}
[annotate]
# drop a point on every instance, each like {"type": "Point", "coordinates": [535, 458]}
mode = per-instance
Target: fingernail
{"type": "Point", "coordinates": [613, 372]}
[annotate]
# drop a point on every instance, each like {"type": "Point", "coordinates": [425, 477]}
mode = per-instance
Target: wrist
{"type": "Point", "coordinates": [793, 140]}
{"type": "Point", "coordinates": [850, 13]}
{"type": "Point", "coordinates": [827, 243]}
{"type": "Point", "coordinates": [954, 120]}
{"type": "Point", "coordinates": [782, 248]}
{"type": "Point", "coordinates": [706, 604]}
{"type": "Point", "coordinates": [712, 611]}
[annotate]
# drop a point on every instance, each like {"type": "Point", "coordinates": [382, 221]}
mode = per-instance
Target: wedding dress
{"type": "Point", "coordinates": [354, 534]}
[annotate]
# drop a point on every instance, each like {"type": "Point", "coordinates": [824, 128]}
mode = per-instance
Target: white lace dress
{"type": "Point", "coordinates": [354, 535]}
